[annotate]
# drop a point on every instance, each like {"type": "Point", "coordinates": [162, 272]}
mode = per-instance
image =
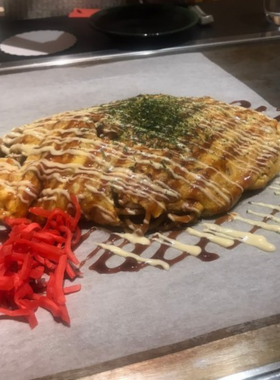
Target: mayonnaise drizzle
{"type": "Point", "coordinates": [276, 188]}
{"type": "Point", "coordinates": [120, 252]}
{"type": "Point", "coordinates": [224, 242]}
{"type": "Point", "coordinates": [133, 238]}
{"type": "Point", "coordinates": [268, 216]}
{"type": "Point", "coordinates": [209, 188]}
{"type": "Point", "coordinates": [54, 192]}
{"type": "Point", "coordinates": [268, 205]}
{"type": "Point", "coordinates": [191, 249]}
{"type": "Point", "coordinates": [263, 225]}
{"type": "Point", "coordinates": [258, 241]}
{"type": "Point", "coordinates": [79, 139]}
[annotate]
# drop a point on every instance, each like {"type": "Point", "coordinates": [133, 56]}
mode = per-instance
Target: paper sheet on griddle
{"type": "Point", "coordinates": [126, 313]}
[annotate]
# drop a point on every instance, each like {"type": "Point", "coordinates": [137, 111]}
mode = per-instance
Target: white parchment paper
{"type": "Point", "coordinates": [126, 313]}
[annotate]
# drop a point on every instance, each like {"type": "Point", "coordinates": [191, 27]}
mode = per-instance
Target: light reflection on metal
{"type": "Point", "coordinates": [267, 372]}
{"type": "Point", "coordinates": [116, 55]}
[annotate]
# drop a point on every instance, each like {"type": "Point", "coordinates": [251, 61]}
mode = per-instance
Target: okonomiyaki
{"type": "Point", "coordinates": [140, 162]}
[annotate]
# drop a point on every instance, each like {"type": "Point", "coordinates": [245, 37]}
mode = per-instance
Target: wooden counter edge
{"type": "Point", "coordinates": [210, 361]}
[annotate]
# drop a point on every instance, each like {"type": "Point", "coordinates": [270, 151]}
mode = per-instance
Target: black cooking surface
{"type": "Point", "coordinates": [233, 18]}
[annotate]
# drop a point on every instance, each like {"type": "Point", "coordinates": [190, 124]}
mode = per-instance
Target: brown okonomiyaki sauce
{"type": "Point", "coordinates": [246, 104]}
{"type": "Point", "coordinates": [261, 109]}
{"type": "Point", "coordinates": [241, 103]}
{"type": "Point", "coordinates": [131, 265]}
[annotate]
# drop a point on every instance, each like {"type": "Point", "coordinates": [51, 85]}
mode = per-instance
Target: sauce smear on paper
{"type": "Point", "coordinates": [132, 265]}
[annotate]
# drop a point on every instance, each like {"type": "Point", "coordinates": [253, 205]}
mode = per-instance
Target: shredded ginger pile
{"type": "Point", "coordinates": [34, 262]}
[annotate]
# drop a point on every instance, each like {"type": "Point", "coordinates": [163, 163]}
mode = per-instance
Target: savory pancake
{"type": "Point", "coordinates": [140, 162]}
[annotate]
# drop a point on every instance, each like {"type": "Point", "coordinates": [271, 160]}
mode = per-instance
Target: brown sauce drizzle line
{"type": "Point", "coordinates": [131, 265]}
{"type": "Point", "coordinates": [261, 109]}
{"type": "Point", "coordinates": [246, 104]}
{"type": "Point", "coordinates": [242, 103]}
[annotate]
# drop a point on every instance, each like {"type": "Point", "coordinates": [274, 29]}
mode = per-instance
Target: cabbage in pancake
{"type": "Point", "coordinates": [148, 159]}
